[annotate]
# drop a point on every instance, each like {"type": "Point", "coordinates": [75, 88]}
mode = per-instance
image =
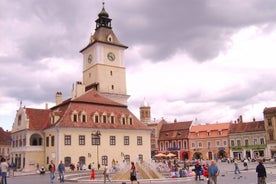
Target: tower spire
{"type": "Point", "coordinates": [103, 20]}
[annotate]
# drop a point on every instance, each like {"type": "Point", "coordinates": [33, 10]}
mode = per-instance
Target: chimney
{"type": "Point", "coordinates": [46, 106]}
{"type": "Point", "coordinates": [58, 98]}
{"type": "Point", "coordinates": [241, 119]}
{"type": "Point", "coordinates": [254, 119]}
{"type": "Point", "coordinates": [80, 89]}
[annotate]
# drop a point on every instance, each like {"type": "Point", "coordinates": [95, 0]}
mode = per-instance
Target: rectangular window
{"type": "Point", "coordinates": [47, 141]}
{"type": "Point", "coordinates": [112, 140]}
{"type": "Point", "coordinates": [238, 142]}
{"type": "Point", "coordinates": [224, 143]}
{"type": "Point", "coordinates": [126, 140]}
{"type": "Point", "coordinates": [209, 144]}
{"type": "Point", "coordinates": [52, 140]}
{"type": "Point", "coordinates": [75, 118]}
{"type": "Point", "coordinates": [193, 144]}
{"type": "Point", "coordinates": [269, 122]}
{"type": "Point", "coordinates": [246, 142]}
{"type": "Point", "coordinates": [262, 141]}
{"type": "Point", "coordinates": [96, 119]}
{"type": "Point", "coordinates": [218, 143]}
{"type": "Point", "coordinates": [104, 118]}
{"type": "Point", "coordinates": [112, 120]}
{"type": "Point", "coordinates": [123, 120]}
{"type": "Point", "coordinates": [232, 143]}
{"type": "Point", "coordinates": [255, 141]}
{"type": "Point", "coordinates": [96, 140]}
{"type": "Point", "coordinates": [67, 140]}
{"type": "Point", "coordinates": [81, 140]}
{"type": "Point", "coordinates": [83, 118]}
{"type": "Point", "coordinates": [139, 140]}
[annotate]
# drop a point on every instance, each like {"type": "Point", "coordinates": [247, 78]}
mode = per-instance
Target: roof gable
{"type": "Point", "coordinates": [38, 118]}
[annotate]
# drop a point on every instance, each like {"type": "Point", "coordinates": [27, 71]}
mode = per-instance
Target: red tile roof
{"type": "Point", "coordinates": [209, 131]}
{"type": "Point", "coordinates": [247, 127]}
{"type": "Point", "coordinates": [5, 137]}
{"type": "Point", "coordinates": [175, 131]}
{"type": "Point", "coordinates": [210, 127]}
{"type": "Point", "coordinates": [38, 118]}
{"type": "Point", "coordinates": [92, 102]}
{"type": "Point", "coordinates": [270, 110]}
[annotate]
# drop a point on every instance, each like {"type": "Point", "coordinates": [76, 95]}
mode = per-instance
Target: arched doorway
{"type": "Point", "coordinates": [197, 155]}
{"type": "Point", "coordinates": [184, 155]}
{"type": "Point", "coordinates": [221, 154]}
{"type": "Point", "coordinates": [36, 140]}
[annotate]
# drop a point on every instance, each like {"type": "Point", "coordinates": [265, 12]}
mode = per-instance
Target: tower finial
{"type": "Point", "coordinates": [103, 3]}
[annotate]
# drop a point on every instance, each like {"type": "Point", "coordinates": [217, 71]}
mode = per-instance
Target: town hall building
{"type": "Point", "coordinates": [95, 124]}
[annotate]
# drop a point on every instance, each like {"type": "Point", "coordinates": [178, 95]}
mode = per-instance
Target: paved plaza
{"type": "Point", "coordinates": [226, 176]}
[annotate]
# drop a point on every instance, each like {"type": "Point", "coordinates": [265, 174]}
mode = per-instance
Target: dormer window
{"type": "Point", "coordinates": [130, 120]}
{"type": "Point", "coordinates": [104, 118]}
{"type": "Point", "coordinates": [112, 119]}
{"type": "Point", "coordinates": [96, 118]}
{"type": "Point", "coordinates": [178, 134]}
{"type": "Point", "coordinates": [74, 116]}
{"type": "Point", "coordinates": [83, 117]}
{"type": "Point", "coordinates": [123, 120]}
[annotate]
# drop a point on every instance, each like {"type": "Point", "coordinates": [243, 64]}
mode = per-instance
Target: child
{"type": "Point", "coordinates": [92, 177]}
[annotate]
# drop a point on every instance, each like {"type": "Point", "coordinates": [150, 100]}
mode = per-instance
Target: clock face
{"type": "Point", "coordinates": [111, 56]}
{"type": "Point", "coordinates": [89, 58]}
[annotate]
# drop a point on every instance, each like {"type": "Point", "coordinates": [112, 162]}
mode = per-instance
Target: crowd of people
{"type": "Point", "coordinates": [206, 170]}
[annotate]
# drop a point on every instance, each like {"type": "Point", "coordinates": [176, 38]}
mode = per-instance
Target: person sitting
{"type": "Point", "coordinates": [42, 170]}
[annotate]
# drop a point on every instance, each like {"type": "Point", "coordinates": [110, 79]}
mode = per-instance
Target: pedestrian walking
{"type": "Point", "coordinates": [133, 173]}
{"type": "Point", "coordinates": [61, 171]}
{"type": "Point", "coordinates": [106, 174]}
{"type": "Point", "coordinates": [260, 169]}
{"type": "Point", "coordinates": [213, 172]}
{"type": "Point", "coordinates": [4, 170]}
{"type": "Point", "coordinates": [197, 171]}
{"type": "Point", "coordinates": [52, 169]}
{"type": "Point", "coordinates": [237, 169]}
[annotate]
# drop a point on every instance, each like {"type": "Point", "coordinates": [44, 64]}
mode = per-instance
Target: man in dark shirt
{"type": "Point", "coordinates": [197, 170]}
{"type": "Point", "coordinates": [260, 169]}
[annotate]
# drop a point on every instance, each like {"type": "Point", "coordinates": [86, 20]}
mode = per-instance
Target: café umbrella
{"type": "Point", "coordinates": [170, 155]}
{"type": "Point", "coordinates": [160, 155]}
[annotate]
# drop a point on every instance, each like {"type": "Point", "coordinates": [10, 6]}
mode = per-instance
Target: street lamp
{"type": "Point", "coordinates": [96, 140]}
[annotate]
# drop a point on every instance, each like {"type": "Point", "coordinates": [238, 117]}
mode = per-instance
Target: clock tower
{"type": "Point", "coordinates": [103, 61]}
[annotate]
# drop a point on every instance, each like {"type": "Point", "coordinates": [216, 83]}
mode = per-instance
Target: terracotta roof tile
{"type": "Point", "coordinates": [173, 131]}
{"type": "Point", "coordinates": [209, 131]}
{"type": "Point", "coordinates": [210, 127]}
{"type": "Point", "coordinates": [5, 137]}
{"type": "Point", "coordinates": [247, 127]}
{"type": "Point", "coordinates": [38, 118]}
{"type": "Point", "coordinates": [270, 110]}
{"type": "Point", "coordinates": [90, 103]}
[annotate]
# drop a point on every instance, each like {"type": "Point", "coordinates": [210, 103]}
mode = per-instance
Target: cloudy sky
{"type": "Point", "coordinates": [207, 61]}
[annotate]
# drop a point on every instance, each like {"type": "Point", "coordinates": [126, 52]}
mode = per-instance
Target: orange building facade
{"type": "Point", "coordinates": [209, 141]}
